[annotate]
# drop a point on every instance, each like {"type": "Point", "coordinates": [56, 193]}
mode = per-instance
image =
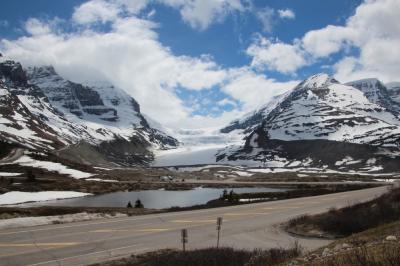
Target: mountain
{"type": "Point", "coordinates": [41, 110]}
{"type": "Point", "coordinates": [377, 92]}
{"type": "Point", "coordinates": [253, 119]}
{"type": "Point", "coordinates": [394, 91]}
{"type": "Point", "coordinates": [319, 113]}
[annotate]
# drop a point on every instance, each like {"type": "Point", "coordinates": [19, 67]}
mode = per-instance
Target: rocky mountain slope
{"type": "Point", "coordinates": [376, 92]}
{"type": "Point", "coordinates": [41, 110]}
{"type": "Point", "coordinates": [394, 91]}
{"type": "Point", "coordinates": [354, 123]}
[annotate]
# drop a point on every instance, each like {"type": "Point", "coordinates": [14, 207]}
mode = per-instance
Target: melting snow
{"type": "Point", "coordinates": [51, 166]}
{"type": "Point", "coordinates": [9, 174]}
{"type": "Point", "coordinates": [16, 197]}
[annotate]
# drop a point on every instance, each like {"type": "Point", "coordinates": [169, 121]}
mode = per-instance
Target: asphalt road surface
{"type": "Point", "coordinates": [245, 226]}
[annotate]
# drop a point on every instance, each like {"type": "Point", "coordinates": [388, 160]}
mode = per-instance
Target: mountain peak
{"type": "Point", "coordinates": [47, 70]}
{"type": "Point", "coordinates": [317, 81]}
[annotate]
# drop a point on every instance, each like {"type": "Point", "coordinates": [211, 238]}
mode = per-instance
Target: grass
{"type": "Point", "coordinates": [365, 248]}
{"type": "Point", "coordinates": [14, 212]}
{"type": "Point", "coordinates": [351, 219]}
{"type": "Point", "coordinates": [210, 256]}
{"type": "Point", "coordinates": [387, 254]}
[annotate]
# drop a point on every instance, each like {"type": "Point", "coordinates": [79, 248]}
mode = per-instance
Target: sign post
{"type": "Point", "coordinates": [184, 236]}
{"type": "Point", "coordinates": [219, 224]}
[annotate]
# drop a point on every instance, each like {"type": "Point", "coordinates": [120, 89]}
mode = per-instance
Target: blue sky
{"type": "Point", "coordinates": [218, 61]}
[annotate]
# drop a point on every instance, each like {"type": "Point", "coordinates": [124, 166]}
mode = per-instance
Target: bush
{"type": "Point", "coordinates": [386, 255]}
{"type": "Point", "coordinates": [211, 257]}
{"type": "Point", "coordinates": [355, 218]}
{"type": "Point", "coordinates": [138, 204]}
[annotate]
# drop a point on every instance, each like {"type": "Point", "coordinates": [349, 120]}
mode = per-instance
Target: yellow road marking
{"type": "Point", "coordinates": [243, 214]}
{"type": "Point", "coordinates": [130, 230]}
{"type": "Point", "coordinates": [328, 199]}
{"type": "Point", "coordinates": [194, 221]}
{"type": "Point", "coordinates": [280, 208]}
{"type": "Point", "coordinates": [312, 202]}
{"type": "Point", "coordinates": [5, 245]}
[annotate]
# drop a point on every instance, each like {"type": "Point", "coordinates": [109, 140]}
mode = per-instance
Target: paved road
{"type": "Point", "coordinates": [244, 226]}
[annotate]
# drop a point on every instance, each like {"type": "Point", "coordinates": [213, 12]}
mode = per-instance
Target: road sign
{"type": "Point", "coordinates": [184, 236]}
{"type": "Point", "coordinates": [219, 224]}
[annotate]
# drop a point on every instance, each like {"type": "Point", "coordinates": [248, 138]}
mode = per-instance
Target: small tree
{"type": "Point", "coordinates": [129, 205]}
{"type": "Point", "coordinates": [224, 194]}
{"type": "Point", "coordinates": [233, 197]}
{"type": "Point", "coordinates": [138, 204]}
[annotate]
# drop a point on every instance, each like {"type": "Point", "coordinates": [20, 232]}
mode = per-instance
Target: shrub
{"type": "Point", "coordinates": [138, 204]}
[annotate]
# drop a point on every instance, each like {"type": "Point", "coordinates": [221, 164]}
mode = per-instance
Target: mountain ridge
{"type": "Point", "coordinates": [319, 111]}
{"type": "Point", "coordinates": [72, 113]}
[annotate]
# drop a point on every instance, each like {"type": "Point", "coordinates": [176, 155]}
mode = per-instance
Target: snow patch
{"type": "Point", "coordinates": [51, 166]}
{"type": "Point", "coordinates": [9, 174]}
{"type": "Point", "coordinates": [17, 197]}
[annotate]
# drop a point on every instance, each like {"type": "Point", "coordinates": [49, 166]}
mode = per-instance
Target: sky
{"type": "Point", "coordinates": [203, 63]}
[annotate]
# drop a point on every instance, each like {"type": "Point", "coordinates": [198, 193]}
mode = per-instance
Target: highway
{"type": "Point", "coordinates": [244, 226]}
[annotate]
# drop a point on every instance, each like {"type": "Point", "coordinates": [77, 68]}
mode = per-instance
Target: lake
{"type": "Point", "coordinates": [153, 199]}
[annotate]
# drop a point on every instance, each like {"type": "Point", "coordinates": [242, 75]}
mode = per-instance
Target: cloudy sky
{"type": "Point", "coordinates": [202, 63]}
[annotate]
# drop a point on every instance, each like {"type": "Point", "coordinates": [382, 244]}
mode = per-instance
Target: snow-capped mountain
{"type": "Point", "coordinates": [394, 91]}
{"type": "Point", "coordinates": [49, 112]}
{"type": "Point", "coordinates": [322, 112]}
{"type": "Point", "coordinates": [253, 119]}
{"type": "Point", "coordinates": [377, 92]}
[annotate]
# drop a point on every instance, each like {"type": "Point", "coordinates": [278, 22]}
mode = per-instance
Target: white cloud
{"type": "Point", "coordinates": [373, 30]}
{"type": "Point", "coordinates": [276, 56]}
{"type": "Point", "coordinates": [286, 14]}
{"type": "Point", "coordinates": [200, 14]}
{"type": "Point", "coordinates": [329, 40]}
{"type": "Point", "coordinates": [376, 33]}
{"type": "Point", "coordinates": [130, 56]}
{"type": "Point", "coordinates": [35, 27]}
{"type": "Point", "coordinates": [95, 11]}
{"type": "Point", "coordinates": [266, 17]}
{"type": "Point", "coordinates": [252, 89]}
{"type": "Point", "coordinates": [226, 101]}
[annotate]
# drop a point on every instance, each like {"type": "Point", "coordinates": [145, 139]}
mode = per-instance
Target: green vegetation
{"type": "Point", "coordinates": [210, 256]}
{"type": "Point", "coordinates": [230, 197]}
{"type": "Point", "coordinates": [139, 204]}
{"type": "Point", "coordinates": [370, 248]}
{"type": "Point", "coordinates": [351, 219]}
{"type": "Point", "coordinates": [14, 212]}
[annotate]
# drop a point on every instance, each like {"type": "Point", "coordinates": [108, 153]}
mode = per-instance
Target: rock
{"type": "Point", "coordinates": [326, 252]}
{"type": "Point", "coordinates": [338, 247]}
{"type": "Point", "coordinates": [345, 246]}
{"type": "Point", "coordinates": [312, 256]}
{"type": "Point", "coordinates": [391, 238]}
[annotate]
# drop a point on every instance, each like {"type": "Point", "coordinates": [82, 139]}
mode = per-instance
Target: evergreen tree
{"type": "Point", "coordinates": [138, 204]}
{"type": "Point", "coordinates": [129, 205]}
{"type": "Point", "coordinates": [224, 194]}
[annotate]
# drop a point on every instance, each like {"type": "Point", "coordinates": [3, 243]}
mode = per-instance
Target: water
{"type": "Point", "coordinates": [153, 199]}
